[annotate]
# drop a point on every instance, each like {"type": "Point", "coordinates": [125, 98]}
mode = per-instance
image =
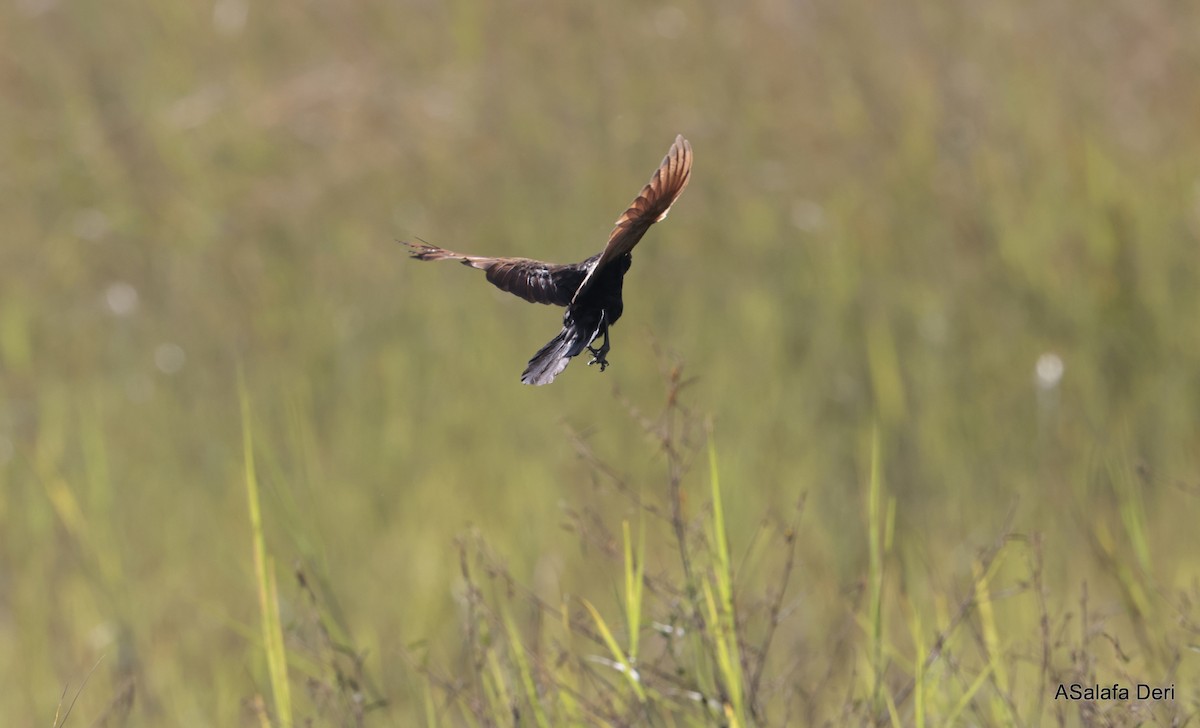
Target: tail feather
{"type": "Point", "coordinates": [552, 358]}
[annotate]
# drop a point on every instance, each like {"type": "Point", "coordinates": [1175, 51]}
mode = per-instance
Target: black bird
{"type": "Point", "coordinates": [591, 289]}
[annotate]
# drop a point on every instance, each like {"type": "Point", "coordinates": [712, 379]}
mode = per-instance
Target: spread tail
{"type": "Point", "coordinates": [552, 358]}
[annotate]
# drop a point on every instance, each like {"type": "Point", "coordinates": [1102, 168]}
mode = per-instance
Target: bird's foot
{"type": "Point", "coordinates": [598, 357]}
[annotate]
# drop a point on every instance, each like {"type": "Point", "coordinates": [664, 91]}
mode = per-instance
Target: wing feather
{"type": "Point", "coordinates": [532, 280]}
{"type": "Point", "coordinates": [651, 206]}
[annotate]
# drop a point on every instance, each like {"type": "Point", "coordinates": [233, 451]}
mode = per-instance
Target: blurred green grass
{"type": "Point", "coordinates": [895, 212]}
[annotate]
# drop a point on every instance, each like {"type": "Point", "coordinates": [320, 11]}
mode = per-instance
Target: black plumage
{"type": "Point", "coordinates": [590, 290]}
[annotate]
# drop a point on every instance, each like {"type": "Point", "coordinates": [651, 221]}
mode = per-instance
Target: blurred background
{"type": "Point", "coordinates": [971, 227]}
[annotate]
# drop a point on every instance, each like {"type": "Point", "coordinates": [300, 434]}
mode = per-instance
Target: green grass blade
{"type": "Point", "coordinates": [919, 686]}
{"type": "Point", "coordinates": [876, 535]}
{"type": "Point", "coordinates": [618, 655]}
{"type": "Point", "coordinates": [634, 572]}
{"type": "Point", "coordinates": [518, 652]}
{"type": "Point", "coordinates": [723, 621]}
{"type": "Point", "coordinates": [264, 573]}
{"type": "Point", "coordinates": [966, 698]}
{"type": "Point", "coordinates": [431, 719]}
{"type": "Point", "coordinates": [495, 689]}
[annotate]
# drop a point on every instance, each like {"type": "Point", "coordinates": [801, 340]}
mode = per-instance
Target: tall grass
{"type": "Point", "coordinates": [705, 654]}
{"type": "Point", "coordinates": [681, 657]}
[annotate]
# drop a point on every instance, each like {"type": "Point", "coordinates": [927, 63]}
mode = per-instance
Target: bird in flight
{"type": "Point", "coordinates": [591, 289]}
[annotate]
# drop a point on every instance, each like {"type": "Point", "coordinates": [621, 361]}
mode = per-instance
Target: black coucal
{"type": "Point", "coordinates": [591, 289]}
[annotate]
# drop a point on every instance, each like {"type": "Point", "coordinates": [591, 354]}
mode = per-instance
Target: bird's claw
{"type": "Point", "coordinates": [598, 358]}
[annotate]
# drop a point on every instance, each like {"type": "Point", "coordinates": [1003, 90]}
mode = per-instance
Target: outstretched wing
{"type": "Point", "coordinates": [652, 205]}
{"type": "Point", "coordinates": [532, 280]}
